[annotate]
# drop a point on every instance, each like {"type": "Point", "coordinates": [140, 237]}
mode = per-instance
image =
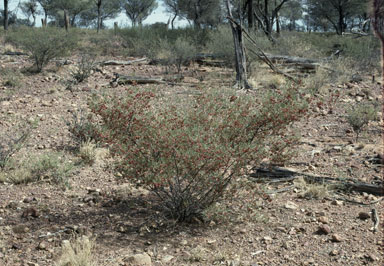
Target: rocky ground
{"type": "Point", "coordinates": [251, 229]}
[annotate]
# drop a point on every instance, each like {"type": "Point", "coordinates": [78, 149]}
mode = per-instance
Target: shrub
{"type": "Point", "coordinates": [359, 116]}
{"type": "Point", "coordinates": [77, 252]}
{"type": "Point", "coordinates": [221, 45]}
{"type": "Point", "coordinates": [84, 68]}
{"type": "Point", "coordinates": [87, 152]}
{"type": "Point", "coordinates": [83, 128]}
{"type": "Point", "coordinates": [187, 151]}
{"type": "Point", "coordinates": [11, 142]}
{"type": "Point", "coordinates": [44, 44]}
{"type": "Point", "coordinates": [11, 77]}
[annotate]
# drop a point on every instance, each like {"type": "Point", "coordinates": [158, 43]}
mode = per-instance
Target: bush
{"type": "Point", "coordinates": [87, 152]}
{"type": "Point", "coordinates": [84, 68]}
{"type": "Point", "coordinates": [10, 77]}
{"type": "Point", "coordinates": [187, 151]}
{"type": "Point", "coordinates": [11, 142]}
{"type": "Point", "coordinates": [77, 252]}
{"type": "Point", "coordinates": [359, 116]}
{"type": "Point", "coordinates": [221, 45]}
{"type": "Point", "coordinates": [83, 128]}
{"type": "Point", "coordinates": [44, 44]}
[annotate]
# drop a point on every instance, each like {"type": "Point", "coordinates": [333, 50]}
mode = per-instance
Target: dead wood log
{"type": "Point", "coordinates": [277, 174]}
{"type": "Point", "coordinates": [121, 63]}
{"type": "Point", "coordinates": [14, 53]}
{"type": "Point", "coordinates": [123, 80]}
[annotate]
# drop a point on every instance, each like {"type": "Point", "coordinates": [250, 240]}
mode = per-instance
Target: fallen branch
{"type": "Point", "coordinates": [122, 63]}
{"type": "Point", "coordinates": [14, 53]}
{"type": "Point", "coordinates": [277, 174]}
{"type": "Point", "coordinates": [123, 80]}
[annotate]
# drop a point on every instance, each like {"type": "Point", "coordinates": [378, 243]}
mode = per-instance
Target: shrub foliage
{"type": "Point", "coordinates": [188, 153]}
{"type": "Point", "coordinates": [43, 44]}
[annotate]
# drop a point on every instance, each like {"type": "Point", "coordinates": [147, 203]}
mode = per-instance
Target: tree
{"type": "Point", "coordinates": [267, 14]}
{"type": "Point", "coordinates": [70, 9]}
{"type": "Point", "coordinates": [201, 12]}
{"type": "Point", "coordinates": [336, 12]}
{"type": "Point", "coordinates": [47, 6]}
{"type": "Point", "coordinates": [292, 12]}
{"type": "Point", "coordinates": [6, 14]}
{"type": "Point", "coordinates": [29, 9]}
{"type": "Point", "coordinates": [172, 7]}
{"type": "Point", "coordinates": [100, 11]}
{"type": "Point", "coordinates": [138, 10]}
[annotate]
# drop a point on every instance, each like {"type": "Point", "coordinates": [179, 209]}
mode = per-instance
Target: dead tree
{"type": "Point", "coordinates": [240, 58]}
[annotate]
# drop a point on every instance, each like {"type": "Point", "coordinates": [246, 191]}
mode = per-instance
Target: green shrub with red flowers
{"type": "Point", "coordinates": [187, 150]}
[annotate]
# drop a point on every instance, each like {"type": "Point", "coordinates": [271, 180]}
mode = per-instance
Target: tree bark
{"type": "Point", "coordinates": [66, 20]}
{"type": "Point", "coordinates": [240, 59]}
{"type": "Point", "coordinates": [5, 14]}
{"type": "Point", "coordinates": [250, 14]}
{"type": "Point", "coordinates": [99, 2]}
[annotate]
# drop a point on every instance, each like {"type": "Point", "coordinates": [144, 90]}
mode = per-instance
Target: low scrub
{"type": "Point", "coordinates": [188, 150]}
{"type": "Point", "coordinates": [360, 115]}
{"type": "Point", "coordinates": [77, 252]}
{"type": "Point", "coordinates": [43, 44]}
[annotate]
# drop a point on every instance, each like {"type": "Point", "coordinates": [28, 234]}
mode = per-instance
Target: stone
{"type": "Point", "coordinates": [20, 229]}
{"type": "Point", "coordinates": [336, 238]}
{"type": "Point", "coordinates": [337, 202]}
{"type": "Point", "coordinates": [142, 259]}
{"type": "Point", "coordinates": [364, 215]}
{"type": "Point", "coordinates": [167, 259]}
{"type": "Point", "coordinates": [42, 246]}
{"type": "Point", "coordinates": [290, 205]}
{"type": "Point", "coordinates": [184, 242]}
{"type": "Point", "coordinates": [324, 229]}
{"type": "Point", "coordinates": [267, 239]}
{"type": "Point", "coordinates": [323, 219]}
{"type": "Point", "coordinates": [334, 252]}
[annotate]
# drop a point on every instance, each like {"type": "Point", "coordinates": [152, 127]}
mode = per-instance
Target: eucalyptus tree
{"type": "Point", "coordinates": [30, 8]}
{"type": "Point", "coordinates": [138, 10]}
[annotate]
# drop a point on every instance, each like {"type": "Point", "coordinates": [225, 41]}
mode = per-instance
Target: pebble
{"type": "Point", "coordinates": [336, 238]}
{"type": "Point", "coordinates": [290, 205]}
{"type": "Point", "coordinates": [323, 219]}
{"type": "Point", "coordinates": [364, 215]}
{"type": "Point", "coordinates": [324, 229]}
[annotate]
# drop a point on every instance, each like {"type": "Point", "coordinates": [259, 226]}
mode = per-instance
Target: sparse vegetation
{"type": "Point", "coordinates": [83, 127]}
{"type": "Point", "coordinates": [360, 115]}
{"type": "Point", "coordinates": [10, 77]}
{"type": "Point", "coordinates": [312, 191]}
{"type": "Point", "coordinates": [84, 68]}
{"type": "Point", "coordinates": [77, 252]}
{"type": "Point", "coordinates": [87, 152]}
{"type": "Point", "coordinates": [43, 44]}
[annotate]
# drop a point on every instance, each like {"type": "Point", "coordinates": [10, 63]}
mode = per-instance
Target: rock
{"type": "Point", "coordinates": [364, 215]}
{"type": "Point", "coordinates": [30, 212]}
{"type": "Point", "coordinates": [267, 239]}
{"type": "Point", "coordinates": [336, 238]}
{"type": "Point", "coordinates": [5, 103]}
{"type": "Point", "coordinates": [12, 205]}
{"type": "Point", "coordinates": [371, 257]}
{"type": "Point", "coordinates": [46, 104]}
{"type": "Point", "coordinates": [334, 252]}
{"type": "Point", "coordinates": [29, 263]}
{"type": "Point", "coordinates": [42, 246]}
{"type": "Point", "coordinates": [20, 229]}
{"type": "Point", "coordinates": [323, 219]}
{"type": "Point", "coordinates": [290, 205]}
{"type": "Point", "coordinates": [184, 242]}
{"type": "Point", "coordinates": [211, 241]}
{"type": "Point", "coordinates": [139, 259]}
{"type": "Point", "coordinates": [167, 259]}
{"type": "Point", "coordinates": [324, 229]}
{"type": "Point", "coordinates": [337, 148]}
{"type": "Point", "coordinates": [337, 202]}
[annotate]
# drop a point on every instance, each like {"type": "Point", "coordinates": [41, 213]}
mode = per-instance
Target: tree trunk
{"type": "Point", "coordinates": [5, 14]}
{"type": "Point", "coordinates": [66, 20]}
{"type": "Point", "coordinates": [266, 18]}
{"type": "Point", "coordinates": [98, 15]}
{"type": "Point", "coordinates": [241, 63]}
{"type": "Point", "coordinates": [173, 21]}
{"type": "Point", "coordinates": [341, 21]}
{"type": "Point", "coordinates": [250, 14]}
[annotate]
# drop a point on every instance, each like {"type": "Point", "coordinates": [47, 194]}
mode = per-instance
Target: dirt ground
{"type": "Point", "coordinates": [272, 229]}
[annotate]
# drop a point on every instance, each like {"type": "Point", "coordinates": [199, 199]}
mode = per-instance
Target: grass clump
{"type": "Point", "coordinates": [87, 152]}
{"type": "Point", "coordinates": [47, 167]}
{"type": "Point", "coordinates": [84, 68]}
{"type": "Point", "coordinates": [359, 116]}
{"type": "Point", "coordinates": [10, 77]}
{"type": "Point", "coordinates": [83, 128]}
{"type": "Point", "coordinates": [43, 44]}
{"type": "Point", "coordinates": [77, 252]}
{"type": "Point", "coordinates": [311, 191]}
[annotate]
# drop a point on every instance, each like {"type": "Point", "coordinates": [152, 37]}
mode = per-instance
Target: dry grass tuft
{"type": "Point", "coordinates": [312, 191]}
{"type": "Point", "coordinates": [87, 152]}
{"type": "Point", "coordinates": [77, 252]}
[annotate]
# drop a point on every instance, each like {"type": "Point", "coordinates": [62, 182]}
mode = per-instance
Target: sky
{"type": "Point", "coordinates": [159, 15]}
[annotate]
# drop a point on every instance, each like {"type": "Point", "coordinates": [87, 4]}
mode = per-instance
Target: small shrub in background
{"type": "Point", "coordinates": [312, 191]}
{"type": "Point", "coordinates": [10, 77]}
{"type": "Point", "coordinates": [87, 152]}
{"type": "Point", "coordinates": [221, 45]}
{"type": "Point", "coordinates": [12, 141]}
{"type": "Point", "coordinates": [360, 115]}
{"type": "Point", "coordinates": [84, 68]}
{"type": "Point", "coordinates": [187, 152]}
{"type": "Point", "coordinates": [43, 44]}
{"type": "Point", "coordinates": [83, 128]}
{"type": "Point", "coordinates": [77, 252]}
